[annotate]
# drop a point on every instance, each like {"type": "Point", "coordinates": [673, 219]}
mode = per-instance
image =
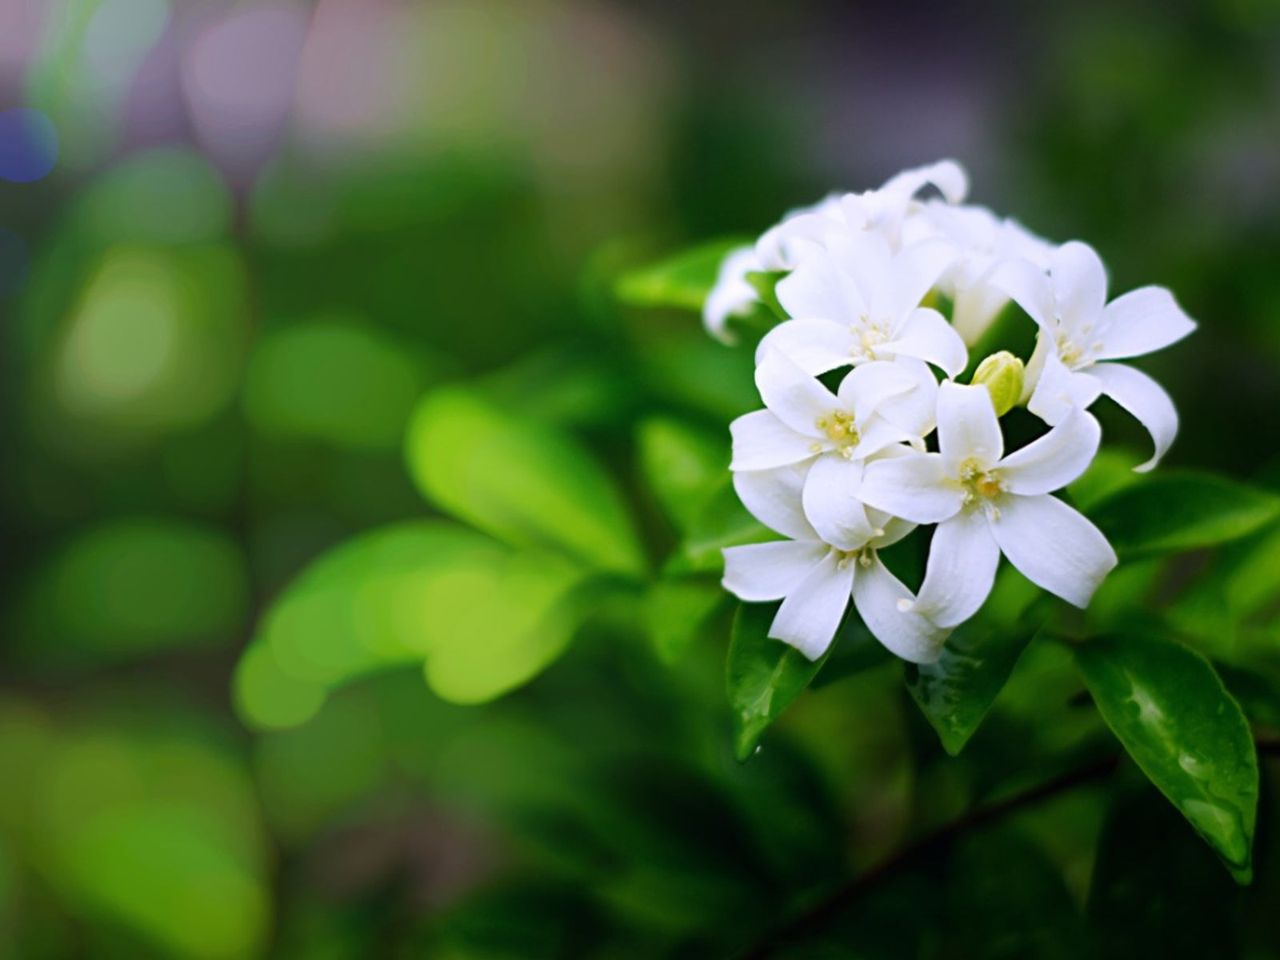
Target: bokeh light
{"type": "Point", "coordinates": [28, 145]}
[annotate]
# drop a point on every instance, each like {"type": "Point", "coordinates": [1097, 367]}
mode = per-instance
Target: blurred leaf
{"type": "Point", "coordinates": [683, 281]}
{"type": "Point", "coordinates": [722, 522]}
{"type": "Point", "coordinates": [764, 675]}
{"type": "Point", "coordinates": [156, 831]}
{"type": "Point", "coordinates": [569, 387]}
{"type": "Point", "coordinates": [340, 382]}
{"type": "Point", "coordinates": [1171, 712]}
{"type": "Point", "coordinates": [1174, 512]}
{"type": "Point", "coordinates": [956, 692]}
{"type": "Point", "coordinates": [132, 587]}
{"type": "Point", "coordinates": [1007, 901]}
{"type": "Point", "coordinates": [683, 466]}
{"type": "Point", "coordinates": [1156, 890]}
{"type": "Point", "coordinates": [1110, 472]}
{"type": "Point", "coordinates": [519, 479]}
{"type": "Point", "coordinates": [483, 617]}
{"type": "Point", "coordinates": [676, 611]}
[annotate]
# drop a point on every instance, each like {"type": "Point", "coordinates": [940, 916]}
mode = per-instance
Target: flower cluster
{"type": "Point", "coordinates": [859, 443]}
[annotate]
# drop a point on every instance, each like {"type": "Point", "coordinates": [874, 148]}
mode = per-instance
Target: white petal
{"type": "Point", "coordinates": [960, 571]}
{"type": "Point", "coordinates": [831, 503]}
{"type": "Point", "coordinates": [926, 335]}
{"type": "Point", "coordinates": [974, 308]}
{"type": "Point", "coordinates": [809, 617]}
{"type": "Point", "coordinates": [1142, 321]}
{"type": "Point", "coordinates": [762, 441]}
{"type": "Point", "coordinates": [815, 346]}
{"type": "Point", "coordinates": [865, 258]}
{"type": "Point", "coordinates": [1056, 459]}
{"type": "Point", "coordinates": [1059, 390]}
{"type": "Point", "coordinates": [1028, 286]}
{"type": "Point", "coordinates": [895, 528]}
{"type": "Point", "coordinates": [913, 486]}
{"type": "Point", "coordinates": [915, 411]}
{"type": "Point", "coordinates": [1146, 400]}
{"type": "Point", "coordinates": [876, 434]}
{"type": "Point", "coordinates": [947, 175]}
{"type": "Point", "coordinates": [774, 498]}
{"type": "Point", "coordinates": [877, 594]}
{"type": "Point", "coordinates": [770, 571]}
{"type": "Point", "coordinates": [793, 396]}
{"type": "Point", "coordinates": [732, 295]}
{"type": "Point", "coordinates": [1079, 283]}
{"type": "Point", "coordinates": [914, 273]}
{"type": "Point", "coordinates": [1053, 546]}
{"type": "Point", "coordinates": [820, 289]}
{"type": "Point", "coordinates": [867, 386]}
{"type": "Point", "coordinates": [967, 426]}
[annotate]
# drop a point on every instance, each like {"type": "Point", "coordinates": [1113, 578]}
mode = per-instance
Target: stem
{"type": "Point", "coordinates": [818, 914]}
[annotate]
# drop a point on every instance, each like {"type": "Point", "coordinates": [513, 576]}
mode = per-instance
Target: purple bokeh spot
{"type": "Point", "coordinates": [28, 145]}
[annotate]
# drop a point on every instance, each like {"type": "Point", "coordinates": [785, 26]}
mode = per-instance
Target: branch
{"type": "Point", "coordinates": [817, 915]}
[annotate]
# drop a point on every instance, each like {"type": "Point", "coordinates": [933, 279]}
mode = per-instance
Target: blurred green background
{"type": "Point", "coordinates": [240, 242]}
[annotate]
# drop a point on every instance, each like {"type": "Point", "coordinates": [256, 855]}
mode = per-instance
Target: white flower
{"type": "Point", "coordinates": [986, 503]}
{"type": "Point", "coordinates": [878, 405]}
{"type": "Point", "coordinates": [983, 242]}
{"type": "Point", "coordinates": [816, 579]}
{"type": "Point", "coordinates": [733, 295]}
{"type": "Point", "coordinates": [1079, 330]}
{"type": "Point", "coordinates": [857, 301]}
{"type": "Point", "coordinates": [881, 211]}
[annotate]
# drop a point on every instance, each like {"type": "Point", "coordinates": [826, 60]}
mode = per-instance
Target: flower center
{"type": "Point", "coordinates": [863, 556]}
{"type": "Point", "coordinates": [840, 428]}
{"type": "Point", "coordinates": [867, 336]}
{"type": "Point", "coordinates": [1072, 354]}
{"type": "Point", "coordinates": [980, 484]}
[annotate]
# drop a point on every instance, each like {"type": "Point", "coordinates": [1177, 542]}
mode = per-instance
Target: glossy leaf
{"type": "Point", "coordinates": [764, 675]}
{"type": "Point", "coordinates": [1174, 717]}
{"type": "Point", "coordinates": [1173, 512]}
{"type": "Point", "coordinates": [956, 692]}
{"type": "Point", "coordinates": [519, 479]}
{"type": "Point", "coordinates": [683, 281]}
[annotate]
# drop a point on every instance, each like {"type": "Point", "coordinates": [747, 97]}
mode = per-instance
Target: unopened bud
{"type": "Point", "coordinates": [1002, 375]}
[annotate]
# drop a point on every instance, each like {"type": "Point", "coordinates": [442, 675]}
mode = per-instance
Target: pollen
{"type": "Point", "coordinates": [841, 429]}
{"type": "Point", "coordinates": [980, 483]}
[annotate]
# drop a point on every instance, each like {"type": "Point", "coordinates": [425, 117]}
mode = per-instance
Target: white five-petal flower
{"type": "Point", "coordinates": [878, 405]}
{"type": "Point", "coordinates": [1080, 332]}
{"type": "Point", "coordinates": [857, 301]}
{"type": "Point", "coordinates": [986, 503]}
{"type": "Point", "coordinates": [816, 579]}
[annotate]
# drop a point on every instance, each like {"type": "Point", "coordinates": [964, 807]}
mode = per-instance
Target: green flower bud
{"type": "Point", "coordinates": [1002, 374]}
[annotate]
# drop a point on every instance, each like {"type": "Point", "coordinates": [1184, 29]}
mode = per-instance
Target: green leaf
{"type": "Point", "coordinates": [955, 693]}
{"type": "Point", "coordinates": [1174, 717]}
{"type": "Point", "coordinates": [519, 479]}
{"type": "Point", "coordinates": [1174, 512]}
{"type": "Point", "coordinates": [682, 281]}
{"type": "Point", "coordinates": [683, 466]}
{"type": "Point", "coordinates": [764, 675]}
{"type": "Point", "coordinates": [482, 617]}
